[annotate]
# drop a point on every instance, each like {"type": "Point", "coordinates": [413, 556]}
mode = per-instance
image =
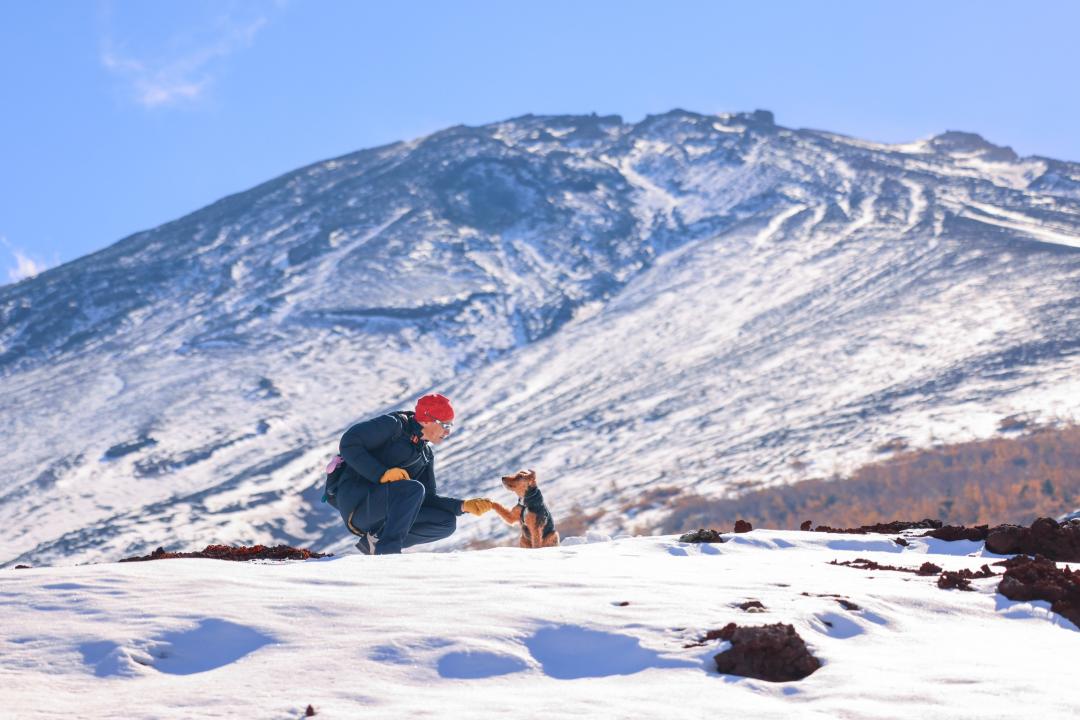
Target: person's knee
{"type": "Point", "coordinates": [431, 524]}
{"type": "Point", "coordinates": [415, 488]}
{"type": "Point", "coordinates": [444, 524]}
{"type": "Point", "coordinates": [408, 493]}
{"type": "Point", "coordinates": [403, 498]}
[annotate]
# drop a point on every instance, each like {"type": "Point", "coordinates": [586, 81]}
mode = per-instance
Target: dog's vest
{"type": "Point", "coordinates": [534, 502]}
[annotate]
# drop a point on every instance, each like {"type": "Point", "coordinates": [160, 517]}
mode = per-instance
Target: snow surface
{"type": "Point", "coordinates": [595, 628]}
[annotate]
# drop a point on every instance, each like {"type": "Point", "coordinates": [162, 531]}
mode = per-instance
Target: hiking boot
{"type": "Point", "coordinates": [366, 543]}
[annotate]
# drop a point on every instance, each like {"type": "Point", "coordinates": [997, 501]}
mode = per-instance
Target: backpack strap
{"type": "Point", "coordinates": [405, 417]}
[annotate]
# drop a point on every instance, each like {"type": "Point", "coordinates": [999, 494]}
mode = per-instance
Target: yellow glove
{"type": "Point", "coordinates": [393, 475]}
{"type": "Point", "coordinates": [476, 506]}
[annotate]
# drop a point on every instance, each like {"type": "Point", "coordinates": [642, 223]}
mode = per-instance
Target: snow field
{"type": "Point", "coordinates": [592, 629]}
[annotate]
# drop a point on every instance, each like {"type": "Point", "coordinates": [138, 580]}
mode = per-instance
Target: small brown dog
{"type": "Point", "coordinates": [537, 525]}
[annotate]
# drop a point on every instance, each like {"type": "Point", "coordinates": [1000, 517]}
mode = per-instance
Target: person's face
{"type": "Point", "coordinates": [435, 432]}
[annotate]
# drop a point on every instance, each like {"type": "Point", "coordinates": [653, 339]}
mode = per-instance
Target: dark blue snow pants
{"type": "Point", "coordinates": [394, 513]}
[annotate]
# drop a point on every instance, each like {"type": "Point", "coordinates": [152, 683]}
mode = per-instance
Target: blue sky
{"type": "Point", "coordinates": [119, 115]}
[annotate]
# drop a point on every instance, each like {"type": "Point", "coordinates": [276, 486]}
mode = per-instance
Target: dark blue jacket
{"type": "Point", "coordinates": [372, 447]}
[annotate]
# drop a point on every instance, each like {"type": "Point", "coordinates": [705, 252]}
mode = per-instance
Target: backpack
{"type": "Point", "coordinates": [334, 470]}
{"type": "Point", "coordinates": [336, 467]}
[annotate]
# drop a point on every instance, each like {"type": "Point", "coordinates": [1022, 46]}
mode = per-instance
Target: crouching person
{"type": "Point", "coordinates": [386, 493]}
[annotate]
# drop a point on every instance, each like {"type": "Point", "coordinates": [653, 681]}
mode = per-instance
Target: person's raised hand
{"type": "Point", "coordinates": [476, 506]}
{"type": "Point", "coordinates": [393, 475]}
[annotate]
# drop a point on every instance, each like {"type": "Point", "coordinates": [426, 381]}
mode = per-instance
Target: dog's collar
{"type": "Point", "coordinates": [532, 500]}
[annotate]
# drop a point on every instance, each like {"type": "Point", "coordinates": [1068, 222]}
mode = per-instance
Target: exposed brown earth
{"type": "Point", "coordinates": [742, 526]}
{"type": "Point", "coordinates": [947, 579]}
{"type": "Point", "coordinates": [1047, 537]}
{"type": "Point", "coordinates": [234, 552]}
{"type": "Point", "coordinates": [927, 568]}
{"type": "Point", "coordinates": [952, 533]}
{"type": "Point", "coordinates": [709, 636]}
{"type": "Point", "coordinates": [961, 579]}
{"type": "Point", "coordinates": [883, 528]}
{"type": "Point", "coordinates": [768, 652]}
{"type": "Point", "coordinates": [1039, 578]}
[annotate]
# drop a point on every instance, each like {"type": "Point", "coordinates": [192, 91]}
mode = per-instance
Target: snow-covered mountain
{"type": "Point", "coordinates": [698, 303]}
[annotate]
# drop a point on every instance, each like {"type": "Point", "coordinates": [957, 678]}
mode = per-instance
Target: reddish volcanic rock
{"type": "Point", "coordinates": [883, 528]}
{"type": "Point", "coordinates": [1039, 578]}
{"type": "Point", "coordinates": [961, 579]}
{"type": "Point", "coordinates": [1047, 537]}
{"type": "Point", "coordinates": [768, 652]}
{"type": "Point", "coordinates": [231, 552]}
{"type": "Point", "coordinates": [927, 568]}
{"type": "Point", "coordinates": [947, 579]}
{"type": "Point", "coordinates": [723, 633]}
{"type": "Point", "coordinates": [742, 526]}
{"type": "Point", "coordinates": [952, 533]}
{"type": "Point", "coordinates": [806, 525]}
{"type": "Point", "coordinates": [1007, 539]}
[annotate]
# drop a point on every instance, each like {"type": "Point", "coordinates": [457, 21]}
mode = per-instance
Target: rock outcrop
{"type": "Point", "coordinates": [1046, 537]}
{"type": "Point", "coordinates": [768, 652]}
{"type": "Point", "coordinates": [1039, 578]}
{"type": "Point", "coordinates": [233, 552]}
{"type": "Point", "coordinates": [703, 536]}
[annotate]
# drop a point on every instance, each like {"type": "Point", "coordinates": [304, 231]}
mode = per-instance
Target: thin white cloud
{"type": "Point", "coordinates": [185, 74]}
{"type": "Point", "coordinates": [25, 266]}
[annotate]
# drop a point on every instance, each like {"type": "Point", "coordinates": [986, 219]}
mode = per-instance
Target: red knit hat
{"type": "Point", "coordinates": [434, 407]}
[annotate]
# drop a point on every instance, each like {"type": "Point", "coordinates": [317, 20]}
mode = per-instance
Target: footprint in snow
{"type": "Point", "coordinates": [211, 644]}
{"type": "Point", "coordinates": [837, 626]}
{"type": "Point", "coordinates": [567, 652]}
{"type": "Point", "coordinates": [471, 665]}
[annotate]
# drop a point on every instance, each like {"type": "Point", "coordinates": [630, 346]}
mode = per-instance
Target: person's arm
{"type": "Point", "coordinates": [433, 499]}
{"type": "Point", "coordinates": [359, 440]}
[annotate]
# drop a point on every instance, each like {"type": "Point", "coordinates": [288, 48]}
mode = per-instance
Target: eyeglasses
{"type": "Point", "coordinates": [444, 425]}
